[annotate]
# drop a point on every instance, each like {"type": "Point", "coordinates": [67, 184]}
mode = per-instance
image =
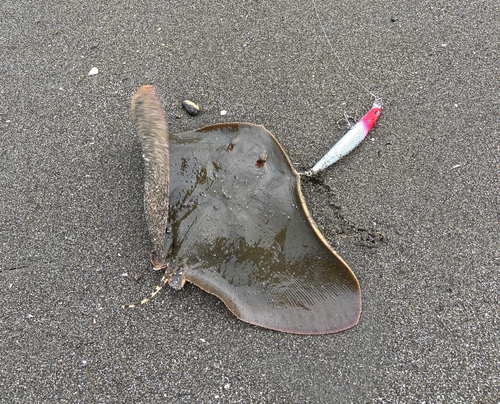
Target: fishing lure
{"type": "Point", "coordinates": [359, 131]}
{"type": "Point", "coordinates": [350, 140]}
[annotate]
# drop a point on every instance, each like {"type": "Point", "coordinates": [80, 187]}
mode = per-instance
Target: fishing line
{"type": "Point", "coordinates": [353, 76]}
{"type": "Point", "coordinates": [356, 133]}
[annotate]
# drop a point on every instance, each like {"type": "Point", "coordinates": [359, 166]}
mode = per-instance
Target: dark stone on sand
{"type": "Point", "coordinates": [191, 107]}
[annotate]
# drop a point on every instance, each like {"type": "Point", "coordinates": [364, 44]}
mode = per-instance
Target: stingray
{"type": "Point", "coordinates": [225, 212]}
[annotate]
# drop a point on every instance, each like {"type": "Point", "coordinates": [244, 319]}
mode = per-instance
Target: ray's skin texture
{"type": "Point", "coordinates": [239, 227]}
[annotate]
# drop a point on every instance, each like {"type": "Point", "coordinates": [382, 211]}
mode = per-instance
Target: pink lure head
{"type": "Point", "coordinates": [372, 115]}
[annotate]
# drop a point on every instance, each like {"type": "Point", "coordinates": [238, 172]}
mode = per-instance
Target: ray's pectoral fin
{"type": "Point", "coordinates": [149, 118]}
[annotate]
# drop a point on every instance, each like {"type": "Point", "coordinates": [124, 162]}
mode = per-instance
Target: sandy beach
{"type": "Point", "coordinates": [414, 210]}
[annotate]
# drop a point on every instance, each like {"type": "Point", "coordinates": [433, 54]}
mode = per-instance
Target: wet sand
{"type": "Point", "coordinates": [413, 210]}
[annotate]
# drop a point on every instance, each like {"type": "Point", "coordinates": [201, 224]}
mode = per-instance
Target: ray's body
{"type": "Point", "coordinates": [238, 225]}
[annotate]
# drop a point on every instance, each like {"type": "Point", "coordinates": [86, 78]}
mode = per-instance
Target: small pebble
{"type": "Point", "coordinates": [223, 112]}
{"type": "Point", "coordinates": [191, 107]}
{"type": "Point", "coordinates": [93, 71]}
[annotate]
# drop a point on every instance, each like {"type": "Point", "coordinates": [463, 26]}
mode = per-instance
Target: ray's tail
{"type": "Point", "coordinates": [149, 116]}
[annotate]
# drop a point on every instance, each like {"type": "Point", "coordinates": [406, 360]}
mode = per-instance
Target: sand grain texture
{"type": "Point", "coordinates": [413, 210]}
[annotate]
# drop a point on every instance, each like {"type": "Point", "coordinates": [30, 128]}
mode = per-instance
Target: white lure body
{"type": "Point", "coordinates": [350, 140]}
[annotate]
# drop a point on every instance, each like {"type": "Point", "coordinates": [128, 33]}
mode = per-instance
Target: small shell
{"type": "Point", "coordinates": [191, 107]}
